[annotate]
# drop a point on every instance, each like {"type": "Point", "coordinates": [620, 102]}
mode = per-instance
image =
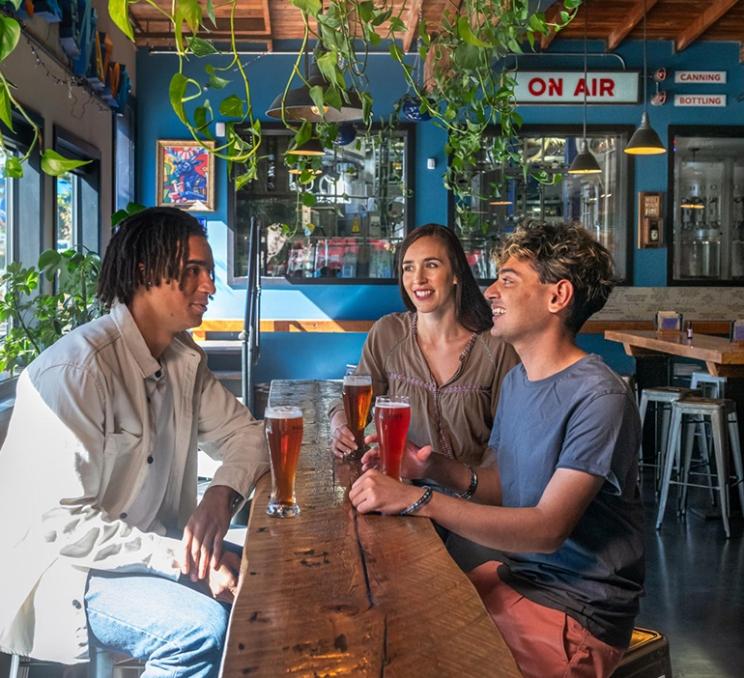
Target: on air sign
{"type": "Point", "coordinates": [562, 87]}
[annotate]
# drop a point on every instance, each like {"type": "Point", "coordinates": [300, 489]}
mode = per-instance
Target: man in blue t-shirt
{"type": "Point", "coordinates": [557, 494]}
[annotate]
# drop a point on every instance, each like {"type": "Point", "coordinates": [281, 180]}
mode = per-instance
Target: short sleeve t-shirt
{"type": "Point", "coordinates": [582, 418]}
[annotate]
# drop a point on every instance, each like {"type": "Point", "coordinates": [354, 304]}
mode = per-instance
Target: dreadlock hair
{"type": "Point", "coordinates": [146, 248]}
{"type": "Point", "coordinates": [566, 252]}
{"type": "Point", "coordinates": [471, 308]}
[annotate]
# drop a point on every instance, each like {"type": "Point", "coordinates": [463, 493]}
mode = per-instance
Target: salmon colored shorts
{"type": "Point", "coordinates": [545, 643]}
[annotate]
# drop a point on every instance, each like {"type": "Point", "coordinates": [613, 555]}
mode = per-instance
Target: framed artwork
{"type": "Point", "coordinates": [185, 176]}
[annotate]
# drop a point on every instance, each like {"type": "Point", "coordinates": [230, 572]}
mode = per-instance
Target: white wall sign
{"type": "Point", "coordinates": [562, 87]}
{"type": "Point", "coordinates": [706, 77]}
{"type": "Point", "coordinates": [709, 100]}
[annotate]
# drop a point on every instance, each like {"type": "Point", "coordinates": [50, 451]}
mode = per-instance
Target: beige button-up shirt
{"type": "Point", "coordinates": [75, 460]}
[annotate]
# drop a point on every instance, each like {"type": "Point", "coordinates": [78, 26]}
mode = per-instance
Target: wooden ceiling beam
{"type": "Point", "coordinates": [415, 8]}
{"type": "Point", "coordinates": [712, 13]}
{"type": "Point", "coordinates": [629, 22]}
{"type": "Point", "coordinates": [552, 15]}
{"type": "Point", "coordinates": [267, 23]}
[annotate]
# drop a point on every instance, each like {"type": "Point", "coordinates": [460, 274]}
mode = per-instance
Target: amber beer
{"type": "Point", "coordinates": [357, 392]}
{"type": "Point", "coordinates": [284, 436]}
{"type": "Point", "coordinates": [392, 417]}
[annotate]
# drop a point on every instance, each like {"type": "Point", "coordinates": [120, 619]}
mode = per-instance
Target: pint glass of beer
{"type": "Point", "coordinates": [357, 392]}
{"type": "Point", "coordinates": [284, 436]}
{"type": "Point", "coordinates": [392, 417]}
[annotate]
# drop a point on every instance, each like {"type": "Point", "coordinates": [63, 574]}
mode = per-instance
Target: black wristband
{"type": "Point", "coordinates": [425, 498]}
{"type": "Point", "coordinates": [472, 487]}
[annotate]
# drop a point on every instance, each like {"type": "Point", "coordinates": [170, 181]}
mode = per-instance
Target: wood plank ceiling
{"type": "Point", "coordinates": [262, 22]}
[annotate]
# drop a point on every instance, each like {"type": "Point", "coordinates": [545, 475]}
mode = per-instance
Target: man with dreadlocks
{"type": "Point", "coordinates": [102, 539]}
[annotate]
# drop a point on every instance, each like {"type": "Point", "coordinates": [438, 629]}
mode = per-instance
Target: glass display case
{"type": "Point", "coordinates": [345, 224]}
{"type": "Point", "coordinates": [599, 202]}
{"type": "Point", "coordinates": [708, 209]}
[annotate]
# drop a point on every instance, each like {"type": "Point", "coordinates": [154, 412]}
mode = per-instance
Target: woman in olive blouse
{"type": "Point", "coordinates": [440, 353]}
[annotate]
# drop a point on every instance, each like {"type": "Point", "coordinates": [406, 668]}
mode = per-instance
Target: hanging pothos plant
{"type": "Point", "coordinates": [52, 163]}
{"type": "Point", "coordinates": [467, 88]}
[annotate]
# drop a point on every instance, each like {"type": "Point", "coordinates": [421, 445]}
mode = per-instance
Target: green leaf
{"type": "Point", "coordinates": [366, 10]}
{"type": "Point", "coordinates": [210, 13]}
{"type": "Point", "coordinates": [118, 216]}
{"type": "Point", "coordinates": [10, 32]}
{"type": "Point", "coordinates": [232, 107]}
{"type": "Point", "coordinates": [6, 114]}
{"type": "Point", "coordinates": [13, 167]}
{"type": "Point", "coordinates": [466, 33]}
{"type": "Point", "coordinates": [308, 199]}
{"type": "Point", "coordinates": [537, 24]}
{"type": "Point", "coordinates": [571, 4]}
{"type": "Point", "coordinates": [216, 82]}
{"type": "Point", "coordinates": [332, 98]}
{"type": "Point", "coordinates": [54, 164]}
{"type": "Point", "coordinates": [564, 16]}
{"type": "Point", "coordinates": [316, 94]}
{"type": "Point", "coordinates": [119, 13]}
{"type": "Point", "coordinates": [49, 259]}
{"type": "Point", "coordinates": [176, 94]}
{"type": "Point", "coordinates": [328, 65]}
{"type": "Point", "coordinates": [200, 47]}
{"type": "Point", "coordinates": [311, 7]}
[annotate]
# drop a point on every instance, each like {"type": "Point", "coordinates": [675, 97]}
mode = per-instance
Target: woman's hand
{"type": "Point", "coordinates": [374, 491]}
{"type": "Point", "coordinates": [415, 463]}
{"type": "Point", "coordinates": [342, 439]}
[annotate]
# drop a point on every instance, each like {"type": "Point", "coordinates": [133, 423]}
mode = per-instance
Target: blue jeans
{"type": "Point", "coordinates": [177, 630]}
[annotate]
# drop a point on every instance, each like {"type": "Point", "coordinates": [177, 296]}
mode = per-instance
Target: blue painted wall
{"type": "Point", "coordinates": [286, 355]}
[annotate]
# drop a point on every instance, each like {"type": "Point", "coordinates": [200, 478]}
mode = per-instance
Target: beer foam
{"type": "Point", "coordinates": [282, 412]}
{"type": "Point", "coordinates": [392, 405]}
{"type": "Point", "coordinates": [357, 380]}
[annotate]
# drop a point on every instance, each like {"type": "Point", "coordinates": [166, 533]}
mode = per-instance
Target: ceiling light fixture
{"type": "Point", "coordinates": [585, 162]}
{"type": "Point", "coordinates": [645, 140]}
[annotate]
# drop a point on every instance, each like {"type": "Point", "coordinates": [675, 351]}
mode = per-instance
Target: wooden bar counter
{"type": "Point", "coordinates": [336, 593]}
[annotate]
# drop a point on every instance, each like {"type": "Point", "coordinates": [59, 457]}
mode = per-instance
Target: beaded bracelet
{"type": "Point", "coordinates": [425, 498]}
{"type": "Point", "coordinates": [472, 487]}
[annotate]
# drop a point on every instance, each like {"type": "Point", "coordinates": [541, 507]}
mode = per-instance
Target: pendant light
{"type": "Point", "coordinates": [585, 162]}
{"type": "Point", "coordinates": [645, 140]}
{"type": "Point", "coordinates": [312, 147]}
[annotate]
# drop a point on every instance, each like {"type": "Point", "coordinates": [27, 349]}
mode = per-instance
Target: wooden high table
{"type": "Point", "coordinates": [334, 592]}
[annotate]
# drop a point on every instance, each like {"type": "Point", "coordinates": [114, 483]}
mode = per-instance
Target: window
{"type": "Point", "coordinates": [597, 202]}
{"type": "Point", "coordinates": [347, 224]}
{"type": "Point", "coordinates": [707, 210]}
{"type": "Point", "coordinates": [76, 200]}
{"type": "Point", "coordinates": [6, 225]}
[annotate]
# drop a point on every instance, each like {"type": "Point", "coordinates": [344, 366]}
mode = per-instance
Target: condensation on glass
{"type": "Point", "coordinates": [350, 221]}
{"type": "Point", "coordinates": [502, 199]}
{"type": "Point", "coordinates": [708, 218]}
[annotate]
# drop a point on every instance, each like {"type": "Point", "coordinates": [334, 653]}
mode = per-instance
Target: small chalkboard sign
{"type": "Point", "coordinates": [737, 330]}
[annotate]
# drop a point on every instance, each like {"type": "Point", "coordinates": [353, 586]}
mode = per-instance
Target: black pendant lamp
{"type": "Point", "coordinates": [299, 105]}
{"type": "Point", "coordinates": [645, 140]}
{"type": "Point", "coordinates": [585, 162]}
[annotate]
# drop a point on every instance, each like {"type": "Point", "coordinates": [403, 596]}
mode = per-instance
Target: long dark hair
{"type": "Point", "coordinates": [148, 247]}
{"type": "Point", "coordinates": [471, 308]}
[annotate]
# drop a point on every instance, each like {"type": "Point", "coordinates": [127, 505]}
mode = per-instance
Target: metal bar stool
{"type": "Point", "coordinates": [709, 386]}
{"type": "Point", "coordinates": [662, 397]}
{"type": "Point", "coordinates": [725, 437]}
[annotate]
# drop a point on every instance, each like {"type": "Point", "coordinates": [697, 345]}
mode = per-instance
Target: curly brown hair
{"type": "Point", "coordinates": [566, 252]}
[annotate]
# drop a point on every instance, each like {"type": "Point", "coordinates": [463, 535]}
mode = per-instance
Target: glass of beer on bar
{"type": "Point", "coordinates": [357, 391]}
{"type": "Point", "coordinates": [392, 417]}
{"type": "Point", "coordinates": [284, 436]}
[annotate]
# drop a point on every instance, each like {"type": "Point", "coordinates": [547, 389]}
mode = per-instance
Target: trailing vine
{"type": "Point", "coordinates": [52, 163]}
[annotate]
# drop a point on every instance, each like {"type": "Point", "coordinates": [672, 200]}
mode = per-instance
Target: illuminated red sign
{"type": "Point", "coordinates": [546, 87]}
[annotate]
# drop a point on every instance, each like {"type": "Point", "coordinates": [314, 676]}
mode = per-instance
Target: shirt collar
{"type": "Point", "coordinates": [134, 340]}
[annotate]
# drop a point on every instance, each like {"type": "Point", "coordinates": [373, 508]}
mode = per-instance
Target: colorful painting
{"type": "Point", "coordinates": [185, 175]}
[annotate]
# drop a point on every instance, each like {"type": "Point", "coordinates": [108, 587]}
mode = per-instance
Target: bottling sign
{"type": "Point", "coordinates": [707, 100]}
{"type": "Point", "coordinates": [561, 87]}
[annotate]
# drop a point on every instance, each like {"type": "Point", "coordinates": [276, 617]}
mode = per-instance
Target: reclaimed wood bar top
{"type": "Point", "coordinates": [721, 356]}
{"type": "Point", "coordinates": [336, 593]}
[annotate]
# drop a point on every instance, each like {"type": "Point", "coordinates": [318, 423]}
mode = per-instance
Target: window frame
{"type": "Point", "coordinates": [275, 282]}
{"type": "Point", "coordinates": [542, 130]}
{"type": "Point", "coordinates": [712, 132]}
{"type": "Point", "coordinates": [86, 231]}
